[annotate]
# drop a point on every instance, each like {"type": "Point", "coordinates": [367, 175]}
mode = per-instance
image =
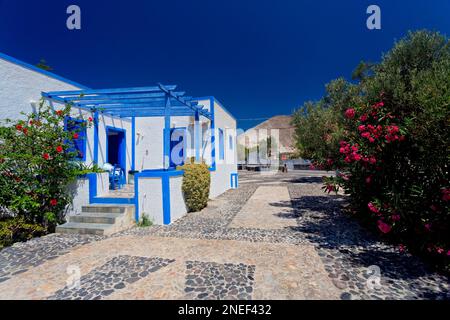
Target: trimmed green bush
{"type": "Point", "coordinates": [196, 183]}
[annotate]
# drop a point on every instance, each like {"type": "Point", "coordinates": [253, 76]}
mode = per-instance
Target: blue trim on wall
{"type": "Point", "coordinates": [166, 198]}
{"type": "Point", "coordinates": [165, 183]}
{"type": "Point", "coordinates": [92, 186]}
{"type": "Point", "coordinates": [166, 135]}
{"type": "Point", "coordinates": [213, 135]}
{"type": "Point", "coordinates": [221, 145]}
{"type": "Point", "coordinates": [39, 70]}
{"type": "Point", "coordinates": [197, 136]}
{"type": "Point", "coordinates": [136, 198]}
{"type": "Point", "coordinates": [234, 181]}
{"type": "Point", "coordinates": [218, 102]}
{"type": "Point", "coordinates": [96, 118]}
{"type": "Point", "coordinates": [113, 200]}
{"type": "Point", "coordinates": [133, 143]}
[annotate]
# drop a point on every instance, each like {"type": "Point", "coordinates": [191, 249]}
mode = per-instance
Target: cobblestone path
{"type": "Point", "coordinates": [276, 237]}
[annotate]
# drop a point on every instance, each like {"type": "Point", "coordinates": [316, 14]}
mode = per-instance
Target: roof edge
{"type": "Point", "coordinates": [39, 70]}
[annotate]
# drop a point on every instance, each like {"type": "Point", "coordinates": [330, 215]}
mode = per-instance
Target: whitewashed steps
{"type": "Point", "coordinates": [100, 219]}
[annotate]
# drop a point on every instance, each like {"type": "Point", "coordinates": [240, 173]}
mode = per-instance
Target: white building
{"type": "Point", "coordinates": [148, 131]}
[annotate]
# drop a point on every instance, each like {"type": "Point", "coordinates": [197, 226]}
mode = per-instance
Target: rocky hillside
{"type": "Point", "coordinates": [282, 123]}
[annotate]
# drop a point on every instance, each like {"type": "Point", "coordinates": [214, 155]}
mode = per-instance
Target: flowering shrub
{"type": "Point", "coordinates": [36, 167]}
{"type": "Point", "coordinates": [392, 153]}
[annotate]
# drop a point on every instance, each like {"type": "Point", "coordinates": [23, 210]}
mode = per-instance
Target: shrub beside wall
{"type": "Point", "coordinates": [195, 186]}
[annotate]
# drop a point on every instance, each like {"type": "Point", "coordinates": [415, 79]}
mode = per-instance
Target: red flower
{"type": "Point", "coordinates": [350, 113]}
{"type": "Point", "coordinates": [384, 227]}
{"type": "Point", "coordinates": [356, 156]}
{"type": "Point", "coordinates": [342, 150]}
{"type": "Point", "coordinates": [75, 135]}
{"type": "Point", "coordinates": [53, 202]}
{"type": "Point", "coordinates": [365, 134]}
{"type": "Point", "coordinates": [361, 128]}
{"type": "Point", "coordinates": [19, 127]}
{"type": "Point", "coordinates": [25, 131]}
{"type": "Point", "coordinates": [372, 160]}
{"type": "Point", "coordinates": [371, 140]}
{"type": "Point", "coordinates": [363, 117]}
{"type": "Point", "coordinates": [90, 119]}
{"type": "Point", "coordinates": [46, 156]}
{"type": "Point", "coordinates": [448, 253]}
{"type": "Point", "coordinates": [59, 149]}
{"type": "Point", "coordinates": [373, 208]}
{"type": "Point", "coordinates": [59, 112]}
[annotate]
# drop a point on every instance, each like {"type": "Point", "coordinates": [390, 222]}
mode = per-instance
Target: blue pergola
{"type": "Point", "coordinates": [156, 101]}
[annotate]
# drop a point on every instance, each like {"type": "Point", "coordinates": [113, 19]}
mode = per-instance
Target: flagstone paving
{"type": "Point", "coordinates": [276, 237]}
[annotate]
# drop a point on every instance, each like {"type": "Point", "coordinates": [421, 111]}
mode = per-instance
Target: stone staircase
{"type": "Point", "coordinates": [127, 191]}
{"type": "Point", "coordinates": [100, 219]}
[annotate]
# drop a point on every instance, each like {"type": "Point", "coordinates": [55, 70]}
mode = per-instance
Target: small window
{"type": "Point", "coordinates": [230, 139]}
{"type": "Point", "coordinates": [221, 145]}
{"type": "Point", "coordinates": [77, 145]}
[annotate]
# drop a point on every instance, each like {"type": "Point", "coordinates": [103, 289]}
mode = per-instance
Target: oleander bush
{"type": "Point", "coordinates": [196, 184]}
{"type": "Point", "coordinates": [390, 145]}
{"type": "Point", "coordinates": [36, 168]}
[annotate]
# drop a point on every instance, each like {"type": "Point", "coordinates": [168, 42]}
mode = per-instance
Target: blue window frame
{"type": "Point", "coordinates": [230, 139]}
{"type": "Point", "coordinates": [221, 145]}
{"type": "Point", "coordinates": [77, 145]}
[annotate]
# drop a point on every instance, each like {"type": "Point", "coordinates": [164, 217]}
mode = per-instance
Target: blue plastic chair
{"type": "Point", "coordinates": [116, 178]}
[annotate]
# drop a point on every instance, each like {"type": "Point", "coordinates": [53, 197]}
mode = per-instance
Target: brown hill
{"type": "Point", "coordinates": [286, 131]}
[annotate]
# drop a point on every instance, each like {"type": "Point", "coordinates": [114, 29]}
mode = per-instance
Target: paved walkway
{"type": "Point", "coordinates": [276, 237]}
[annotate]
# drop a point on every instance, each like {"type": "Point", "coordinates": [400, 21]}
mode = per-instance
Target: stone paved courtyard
{"type": "Point", "coordinates": [276, 237]}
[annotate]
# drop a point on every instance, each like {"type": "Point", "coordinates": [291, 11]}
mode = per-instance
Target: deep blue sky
{"type": "Point", "coordinates": [260, 58]}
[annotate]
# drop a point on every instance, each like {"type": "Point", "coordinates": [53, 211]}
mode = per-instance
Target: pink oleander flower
{"type": "Point", "coordinates": [427, 227]}
{"type": "Point", "coordinates": [361, 128]}
{"type": "Point", "coordinates": [384, 227]}
{"type": "Point", "coordinates": [350, 113]}
{"type": "Point", "coordinates": [372, 207]}
{"type": "Point", "coordinates": [439, 250]}
{"type": "Point", "coordinates": [395, 217]}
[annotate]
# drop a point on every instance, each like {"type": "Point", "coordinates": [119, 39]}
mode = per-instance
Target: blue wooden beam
{"type": "Point", "coordinates": [110, 91]}
{"type": "Point", "coordinates": [197, 136]}
{"type": "Point", "coordinates": [166, 144]}
{"type": "Point", "coordinates": [118, 96]}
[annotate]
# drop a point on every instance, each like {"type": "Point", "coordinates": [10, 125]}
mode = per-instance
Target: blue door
{"type": "Point", "coordinates": [116, 147]}
{"type": "Point", "coordinates": [177, 147]}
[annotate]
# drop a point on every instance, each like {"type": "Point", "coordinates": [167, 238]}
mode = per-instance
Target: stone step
{"type": "Point", "coordinates": [105, 208]}
{"type": "Point", "coordinates": [96, 217]}
{"type": "Point", "coordinates": [99, 229]}
{"type": "Point", "coordinates": [100, 219]}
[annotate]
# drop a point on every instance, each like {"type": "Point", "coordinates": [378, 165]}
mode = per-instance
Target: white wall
{"type": "Point", "coordinates": [80, 189]}
{"type": "Point", "coordinates": [20, 86]}
{"type": "Point", "coordinates": [220, 179]}
{"type": "Point", "coordinates": [177, 205]}
{"type": "Point", "coordinates": [150, 199]}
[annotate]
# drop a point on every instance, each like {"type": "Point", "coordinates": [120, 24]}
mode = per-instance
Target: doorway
{"type": "Point", "coordinates": [116, 147]}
